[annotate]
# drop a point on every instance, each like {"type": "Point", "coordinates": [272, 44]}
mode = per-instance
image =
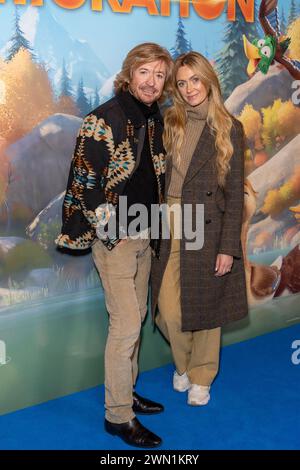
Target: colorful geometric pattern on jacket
{"type": "Point", "coordinates": [104, 158]}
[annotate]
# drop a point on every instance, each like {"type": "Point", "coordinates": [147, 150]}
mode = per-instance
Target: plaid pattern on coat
{"type": "Point", "coordinates": [208, 301]}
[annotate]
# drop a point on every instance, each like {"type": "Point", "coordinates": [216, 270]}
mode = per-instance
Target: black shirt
{"type": "Point", "coordinates": [142, 187]}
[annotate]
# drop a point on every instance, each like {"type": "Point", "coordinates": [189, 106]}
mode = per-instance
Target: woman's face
{"type": "Point", "coordinates": [190, 86]}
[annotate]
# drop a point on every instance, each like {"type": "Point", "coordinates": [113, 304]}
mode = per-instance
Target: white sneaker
{"type": "Point", "coordinates": [198, 395]}
{"type": "Point", "coordinates": [181, 383]}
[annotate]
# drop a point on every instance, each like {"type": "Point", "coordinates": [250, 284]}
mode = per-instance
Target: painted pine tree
{"type": "Point", "coordinates": [65, 82]}
{"type": "Point", "coordinates": [96, 98]}
{"type": "Point", "coordinates": [66, 101]}
{"type": "Point", "coordinates": [182, 45]}
{"type": "Point", "coordinates": [231, 61]}
{"type": "Point", "coordinates": [82, 102]}
{"type": "Point", "coordinates": [18, 39]}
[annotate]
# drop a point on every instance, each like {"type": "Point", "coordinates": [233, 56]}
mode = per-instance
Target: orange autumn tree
{"type": "Point", "coordinates": [4, 167]}
{"type": "Point", "coordinates": [4, 181]}
{"type": "Point", "coordinates": [252, 122]}
{"type": "Point", "coordinates": [28, 96]}
{"type": "Point", "coordinates": [2, 84]}
{"type": "Point", "coordinates": [288, 121]}
{"type": "Point", "coordinates": [281, 122]}
{"type": "Point", "coordinates": [283, 197]}
{"type": "Point", "coordinates": [3, 143]}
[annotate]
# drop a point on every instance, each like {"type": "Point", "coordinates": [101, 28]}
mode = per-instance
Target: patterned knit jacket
{"type": "Point", "coordinates": [107, 152]}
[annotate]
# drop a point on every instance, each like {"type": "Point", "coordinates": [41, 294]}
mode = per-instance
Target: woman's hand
{"type": "Point", "coordinates": [223, 264]}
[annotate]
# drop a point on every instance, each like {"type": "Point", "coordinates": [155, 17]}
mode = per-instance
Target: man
{"type": "Point", "coordinates": [119, 152]}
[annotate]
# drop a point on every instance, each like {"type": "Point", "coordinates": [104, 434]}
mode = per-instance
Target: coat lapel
{"type": "Point", "coordinates": [204, 150]}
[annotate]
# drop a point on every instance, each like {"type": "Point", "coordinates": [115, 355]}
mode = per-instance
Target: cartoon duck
{"type": "Point", "coordinates": [262, 53]}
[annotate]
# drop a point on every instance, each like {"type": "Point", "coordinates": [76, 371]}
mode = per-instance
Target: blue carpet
{"type": "Point", "coordinates": [254, 405]}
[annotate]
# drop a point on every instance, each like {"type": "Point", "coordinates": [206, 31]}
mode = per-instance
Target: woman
{"type": "Point", "coordinates": [197, 292]}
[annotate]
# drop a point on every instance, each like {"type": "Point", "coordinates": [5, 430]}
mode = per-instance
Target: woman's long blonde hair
{"type": "Point", "coordinates": [219, 119]}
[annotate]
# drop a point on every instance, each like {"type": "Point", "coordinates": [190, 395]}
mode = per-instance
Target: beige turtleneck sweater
{"type": "Point", "coordinates": [196, 118]}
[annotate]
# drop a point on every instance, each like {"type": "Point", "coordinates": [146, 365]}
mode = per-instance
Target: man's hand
{"type": "Point", "coordinates": [223, 264]}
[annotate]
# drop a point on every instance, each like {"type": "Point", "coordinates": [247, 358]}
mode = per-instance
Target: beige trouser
{"type": "Point", "coordinates": [124, 272]}
{"type": "Point", "coordinates": [194, 352]}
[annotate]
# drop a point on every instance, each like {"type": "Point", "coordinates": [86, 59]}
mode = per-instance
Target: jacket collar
{"type": "Point", "coordinates": [132, 110]}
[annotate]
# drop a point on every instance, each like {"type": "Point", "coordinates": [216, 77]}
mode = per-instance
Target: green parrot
{"type": "Point", "coordinates": [261, 52]}
{"type": "Point", "coordinates": [272, 48]}
{"type": "Point", "coordinates": [266, 49]}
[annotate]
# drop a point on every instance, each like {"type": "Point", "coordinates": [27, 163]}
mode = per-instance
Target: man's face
{"type": "Point", "coordinates": [147, 81]}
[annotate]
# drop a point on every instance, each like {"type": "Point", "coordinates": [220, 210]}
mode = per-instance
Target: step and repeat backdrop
{"type": "Point", "coordinates": [58, 61]}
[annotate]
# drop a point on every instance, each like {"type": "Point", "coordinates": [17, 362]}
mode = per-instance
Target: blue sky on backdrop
{"type": "Point", "coordinates": [112, 35]}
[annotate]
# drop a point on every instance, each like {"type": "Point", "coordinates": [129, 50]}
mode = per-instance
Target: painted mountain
{"type": "Point", "coordinates": [52, 44]}
{"type": "Point", "coordinates": [42, 158]}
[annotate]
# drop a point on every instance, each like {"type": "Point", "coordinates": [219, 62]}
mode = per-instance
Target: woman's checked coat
{"type": "Point", "coordinates": [208, 301]}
